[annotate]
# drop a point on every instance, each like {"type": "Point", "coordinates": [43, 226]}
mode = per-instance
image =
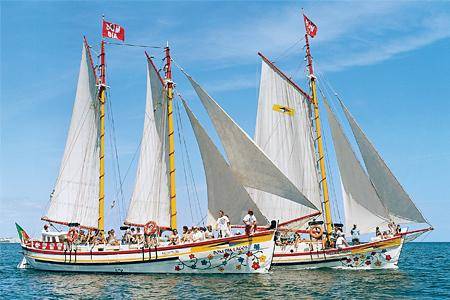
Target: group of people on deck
{"type": "Point", "coordinates": [134, 235]}
{"type": "Point", "coordinates": [337, 238]}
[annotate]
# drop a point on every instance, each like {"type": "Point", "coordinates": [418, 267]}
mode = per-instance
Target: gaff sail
{"type": "Point", "coordinates": [284, 133]}
{"type": "Point", "coordinates": [76, 192]}
{"type": "Point", "coordinates": [150, 198]}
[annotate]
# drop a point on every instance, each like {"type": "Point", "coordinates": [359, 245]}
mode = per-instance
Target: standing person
{"type": "Point", "coordinates": [355, 235]}
{"type": "Point", "coordinates": [222, 225]}
{"type": "Point", "coordinates": [250, 222]}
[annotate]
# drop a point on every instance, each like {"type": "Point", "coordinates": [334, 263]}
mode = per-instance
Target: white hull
{"type": "Point", "coordinates": [382, 254]}
{"type": "Point", "coordinates": [240, 254]}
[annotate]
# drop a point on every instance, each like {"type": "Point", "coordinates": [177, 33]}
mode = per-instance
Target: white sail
{"type": "Point", "coordinates": [150, 198]}
{"type": "Point", "coordinates": [75, 196]}
{"type": "Point", "coordinates": [225, 192]}
{"type": "Point", "coordinates": [361, 202]}
{"type": "Point", "coordinates": [251, 165]}
{"type": "Point", "coordinates": [397, 202]}
{"type": "Point", "coordinates": [283, 132]}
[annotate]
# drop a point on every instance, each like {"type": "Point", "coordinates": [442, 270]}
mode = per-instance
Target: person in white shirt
{"type": "Point", "coordinates": [197, 235]}
{"type": "Point", "coordinates": [222, 225]}
{"type": "Point", "coordinates": [355, 235]}
{"type": "Point", "coordinates": [250, 222]}
{"type": "Point", "coordinates": [341, 242]}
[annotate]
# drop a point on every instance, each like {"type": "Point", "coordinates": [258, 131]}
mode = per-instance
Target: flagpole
{"type": "Point", "coordinates": [318, 128]}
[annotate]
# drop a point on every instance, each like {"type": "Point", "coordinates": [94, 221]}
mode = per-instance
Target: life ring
{"type": "Point", "coordinates": [150, 228]}
{"type": "Point", "coordinates": [316, 231]}
{"type": "Point", "coordinates": [72, 235]}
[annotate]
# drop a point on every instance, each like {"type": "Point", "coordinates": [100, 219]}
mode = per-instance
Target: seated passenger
{"type": "Point", "coordinates": [341, 242]}
{"type": "Point", "coordinates": [139, 236]}
{"type": "Point", "coordinates": [174, 239]}
{"type": "Point", "coordinates": [184, 235]}
{"type": "Point", "coordinates": [197, 235]}
{"type": "Point", "coordinates": [378, 232]}
{"type": "Point", "coordinates": [398, 229]}
{"type": "Point", "coordinates": [133, 239]}
{"type": "Point", "coordinates": [82, 238]}
{"type": "Point", "coordinates": [209, 233]}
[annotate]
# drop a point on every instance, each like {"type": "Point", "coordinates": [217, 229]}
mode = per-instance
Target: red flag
{"type": "Point", "coordinates": [113, 31]}
{"type": "Point", "coordinates": [310, 27]}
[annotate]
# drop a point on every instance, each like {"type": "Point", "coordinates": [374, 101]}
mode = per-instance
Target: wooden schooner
{"type": "Point", "coordinates": [78, 197]}
{"type": "Point", "coordinates": [289, 131]}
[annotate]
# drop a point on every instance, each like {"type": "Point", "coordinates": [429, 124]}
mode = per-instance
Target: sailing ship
{"type": "Point", "coordinates": [289, 131]}
{"type": "Point", "coordinates": [78, 198]}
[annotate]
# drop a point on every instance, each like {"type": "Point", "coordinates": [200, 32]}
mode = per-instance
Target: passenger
{"type": "Point", "coordinates": [203, 231]}
{"type": "Point", "coordinates": [378, 232]}
{"type": "Point", "coordinates": [222, 225]}
{"type": "Point", "coordinates": [184, 235]}
{"type": "Point", "coordinates": [398, 230]}
{"type": "Point", "coordinates": [82, 238]}
{"type": "Point", "coordinates": [341, 242]}
{"type": "Point", "coordinates": [355, 235]}
{"type": "Point", "coordinates": [209, 232]}
{"type": "Point", "coordinates": [99, 238]}
{"type": "Point", "coordinates": [197, 235]}
{"type": "Point", "coordinates": [250, 222]}
{"type": "Point", "coordinates": [133, 236]}
{"type": "Point", "coordinates": [90, 237]}
{"type": "Point", "coordinates": [385, 234]}
{"type": "Point", "coordinates": [392, 227]}
{"type": "Point", "coordinates": [174, 239]}
{"type": "Point", "coordinates": [139, 236]}
{"type": "Point", "coordinates": [44, 231]}
{"type": "Point", "coordinates": [229, 225]}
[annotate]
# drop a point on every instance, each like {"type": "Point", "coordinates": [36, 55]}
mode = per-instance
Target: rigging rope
{"type": "Point", "coordinates": [191, 174]}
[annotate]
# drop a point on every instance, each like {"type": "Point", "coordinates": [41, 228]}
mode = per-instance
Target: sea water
{"type": "Point", "coordinates": [423, 273]}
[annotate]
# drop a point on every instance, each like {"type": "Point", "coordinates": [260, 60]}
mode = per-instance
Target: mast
{"type": "Point", "coordinates": [169, 89]}
{"type": "Point", "coordinates": [326, 199]}
{"type": "Point", "coordinates": [102, 101]}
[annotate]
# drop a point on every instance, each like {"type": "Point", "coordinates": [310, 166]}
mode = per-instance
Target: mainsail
{"type": "Point", "coordinates": [225, 192]}
{"type": "Point", "coordinates": [75, 195]}
{"type": "Point", "coordinates": [397, 202]}
{"type": "Point", "coordinates": [283, 132]}
{"type": "Point", "coordinates": [150, 199]}
{"type": "Point", "coordinates": [362, 205]}
{"type": "Point", "coordinates": [250, 164]}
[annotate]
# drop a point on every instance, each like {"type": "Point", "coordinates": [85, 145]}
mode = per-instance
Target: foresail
{"type": "Point", "coordinates": [75, 195]}
{"type": "Point", "coordinates": [150, 198]}
{"type": "Point", "coordinates": [391, 193]}
{"type": "Point", "coordinates": [225, 192]}
{"type": "Point", "coordinates": [361, 202]}
{"type": "Point", "coordinates": [283, 132]}
{"type": "Point", "coordinates": [250, 164]}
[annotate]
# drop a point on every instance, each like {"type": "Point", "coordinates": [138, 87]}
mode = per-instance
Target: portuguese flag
{"type": "Point", "coordinates": [22, 234]}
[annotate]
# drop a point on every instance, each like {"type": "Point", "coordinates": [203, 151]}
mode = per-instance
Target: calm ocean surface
{"type": "Point", "coordinates": [424, 273]}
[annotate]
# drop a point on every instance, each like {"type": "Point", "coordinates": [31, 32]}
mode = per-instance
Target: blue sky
{"type": "Point", "coordinates": [389, 61]}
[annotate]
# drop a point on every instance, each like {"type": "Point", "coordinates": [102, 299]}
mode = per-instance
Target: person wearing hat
{"type": "Point", "coordinates": [250, 222]}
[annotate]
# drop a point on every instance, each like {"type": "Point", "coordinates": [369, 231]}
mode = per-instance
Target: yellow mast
{"type": "Point", "coordinates": [326, 198]}
{"type": "Point", "coordinates": [102, 101]}
{"type": "Point", "coordinates": [172, 189]}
